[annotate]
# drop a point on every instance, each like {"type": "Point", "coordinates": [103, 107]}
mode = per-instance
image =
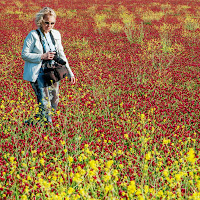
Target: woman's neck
{"type": "Point", "coordinates": [43, 31]}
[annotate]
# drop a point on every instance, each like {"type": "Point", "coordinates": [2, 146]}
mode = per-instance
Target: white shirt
{"type": "Point", "coordinates": [47, 42]}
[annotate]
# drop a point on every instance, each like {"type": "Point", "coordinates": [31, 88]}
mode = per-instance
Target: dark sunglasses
{"type": "Point", "coordinates": [52, 23]}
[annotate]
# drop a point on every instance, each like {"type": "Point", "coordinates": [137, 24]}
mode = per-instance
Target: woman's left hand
{"type": "Point", "coordinates": [73, 80]}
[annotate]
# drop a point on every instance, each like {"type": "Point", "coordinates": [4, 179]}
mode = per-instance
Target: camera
{"type": "Point", "coordinates": [58, 59]}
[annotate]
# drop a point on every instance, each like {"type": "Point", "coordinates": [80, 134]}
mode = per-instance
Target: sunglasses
{"type": "Point", "coordinates": [52, 23]}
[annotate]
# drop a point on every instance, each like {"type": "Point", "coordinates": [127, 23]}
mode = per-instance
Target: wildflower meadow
{"type": "Point", "coordinates": [129, 128]}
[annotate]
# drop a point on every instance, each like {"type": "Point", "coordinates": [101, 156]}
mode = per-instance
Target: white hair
{"type": "Point", "coordinates": [41, 14]}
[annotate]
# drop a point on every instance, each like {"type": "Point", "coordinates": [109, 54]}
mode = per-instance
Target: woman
{"type": "Point", "coordinates": [36, 51]}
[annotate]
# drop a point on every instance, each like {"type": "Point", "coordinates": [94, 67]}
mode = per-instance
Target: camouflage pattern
{"type": "Point", "coordinates": [47, 97]}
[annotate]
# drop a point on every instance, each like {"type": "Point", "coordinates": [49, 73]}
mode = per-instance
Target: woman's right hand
{"type": "Point", "coordinates": [48, 56]}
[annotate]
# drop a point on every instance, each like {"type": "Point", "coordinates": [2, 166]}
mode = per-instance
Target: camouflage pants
{"type": "Point", "coordinates": [47, 97]}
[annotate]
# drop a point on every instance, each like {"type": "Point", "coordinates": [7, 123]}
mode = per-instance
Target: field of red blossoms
{"type": "Point", "coordinates": [129, 128]}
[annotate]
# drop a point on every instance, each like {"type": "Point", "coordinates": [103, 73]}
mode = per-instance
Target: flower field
{"type": "Point", "coordinates": [129, 128]}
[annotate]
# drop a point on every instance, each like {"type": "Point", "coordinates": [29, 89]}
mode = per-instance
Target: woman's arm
{"type": "Point", "coordinates": [27, 51]}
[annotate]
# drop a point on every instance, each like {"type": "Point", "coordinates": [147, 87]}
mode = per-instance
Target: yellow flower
{"type": "Point", "coordinates": [146, 188]}
{"type": "Point", "coordinates": [146, 167]}
{"type": "Point", "coordinates": [82, 172]}
{"type": "Point", "coordinates": [26, 190]}
{"type": "Point", "coordinates": [126, 136]}
{"type": "Point", "coordinates": [152, 191]}
{"type": "Point", "coordinates": [165, 141]}
{"type": "Point", "coordinates": [121, 166]}
{"type": "Point", "coordinates": [77, 178]}
{"type": "Point", "coordinates": [191, 156]}
{"type": "Point", "coordinates": [115, 172]}
{"type": "Point", "coordinates": [24, 165]}
{"type": "Point", "coordinates": [91, 173]}
{"type": "Point", "coordinates": [92, 164]}
{"type": "Point", "coordinates": [82, 192]}
{"type": "Point", "coordinates": [195, 196]}
{"type": "Point", "coordinates": [80, 158]}
{"type": "Point", "coordinates": [123, 193]}
{"type": "Point", "coordinates": [54, 178]}
{"type": "Point", "coordinates": [160, 193]}
{"type": "Point", "coordinates": [108, 188]}
{"type": "Point", "coordinates": [24, 197]}
{"type": "Point", "coordinates": [70, 159]}
{"type": "Point", "coordinates": [107, 177]}
{"type": "Point", "coordinates": [70, 190]}
{"type": "Point", "coordinates": [198, 185]}
{"type": "Point", "coordinates": [34, 151]}
{"type": "Point", "coordinates": [142, 116]}
{"type": "Point", "coordinates": [178, 177]}
{"type": "Point", "coordinates": [62, 142]}
{"type": "Point", "coordinates": [131, 188]}
{"type": "Point", "coordinates": [58, 112]}
{"type": "Point", "coordinates": [141, 198]}
{"type": "Point", "coordinates": [138, 192]}
{"type": "Point", "coordinates": [12, 159]}
{"type": "Point", "coordinates": [148, 156]}
{"type": "Point", "coordinates": [165, 173]}
{"type": "Point", "coordinates": [109, 163]}
{"type": "Point", "coordinates": [2, 106]}
{"type": "Point", "coordinates": [42, 161]}
{"type": "Point", "coordinates": [28, 178]}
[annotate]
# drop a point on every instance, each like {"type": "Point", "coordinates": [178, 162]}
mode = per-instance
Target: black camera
{"type": "Point", "coordinates": [58, 59]}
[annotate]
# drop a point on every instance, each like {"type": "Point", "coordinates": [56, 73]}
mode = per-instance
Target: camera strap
{"type": "Point", "coordinates": [52, 39]}
{"type": "Point", "coordinates": [38, 32]}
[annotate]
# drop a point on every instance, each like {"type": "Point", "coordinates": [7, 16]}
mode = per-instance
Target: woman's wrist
{"type": "Point", "coordinates": [42, 57]}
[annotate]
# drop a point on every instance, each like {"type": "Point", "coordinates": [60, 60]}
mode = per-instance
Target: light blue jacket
{"type": "Point", "coordinates": [32, 52]}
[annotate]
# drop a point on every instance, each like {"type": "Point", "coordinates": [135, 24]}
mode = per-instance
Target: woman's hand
{"type": "Point", "coordinates": [73, 80]}
{"type": "Point", "coordinates": [48, 56]}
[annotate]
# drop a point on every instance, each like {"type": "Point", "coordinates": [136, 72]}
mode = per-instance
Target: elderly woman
{"type": "Point", "coordinates": [37, 50]}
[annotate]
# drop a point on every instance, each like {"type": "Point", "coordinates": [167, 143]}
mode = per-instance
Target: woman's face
{"type": "Point", "coordinates": [48, 23]}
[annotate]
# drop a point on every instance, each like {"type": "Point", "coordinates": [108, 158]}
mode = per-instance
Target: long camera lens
{"type": "Point", "coordinates": [59, 60]}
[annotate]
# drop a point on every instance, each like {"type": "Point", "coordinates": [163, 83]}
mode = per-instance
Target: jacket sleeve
{"type": "Point", "coordinates": [27, 51]}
